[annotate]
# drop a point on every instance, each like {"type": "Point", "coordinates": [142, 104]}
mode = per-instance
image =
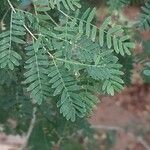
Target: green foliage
{"type": "Point", "coordinates": [70, 102]}
{"type": "Point", "coordinates": [115, 39]}
{"type": "Point", "coordinates": [144, 18]}
{"type": "Point", "coordinates": [55, 60]}
{"type": "Point", "coordinates": [147, 70]}
{"type": "Point", "coordinates": [7, 77]}
{"type": "Point", "coordinates": [37, 72]}
{"type": "Point", "coordinates": [145, 57]}
{"type": "Point", "coordinates": [50, 128]}
{"type": "Point", "coordinates": [117, 4]}
{"type": "Point", "coordinates": [65, 56]}
{"type": "Point", "coordinates": [60, 137]}
{"type": "Point", "coordinates": [10, 58]}
{"type": "Point", "coordinates": [144, 24]}
{"type": "Point", "coordinates": [127, 63]}
{"type": "Point", "coordinates": [46, 5]}
{"type": "Point", "coordinates": [112, 36]}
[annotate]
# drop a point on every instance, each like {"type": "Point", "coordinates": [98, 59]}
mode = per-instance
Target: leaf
{"type": "Point", "coordinates": [101, 30]}
{"type": "Point", "coordinates": [67, 4]}
{"type": "Point", "coordinates": [144, 18]}
{"type": "Point", "coordinates": [70, 103]}
{"type": "Point", "coordinates": [147, 72]}
{"type": "Point", "coordinates": [91, 15]}
{"type": "Point", "coordinates": [10, 58]}
{"type": "Point", "coordinates": [93, 35]}
{"type": "Point", "coordinates": [37, 73]}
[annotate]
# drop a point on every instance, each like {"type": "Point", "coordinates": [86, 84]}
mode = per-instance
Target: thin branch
{"type": "Point", "coordinates": [32, 123]}
{"type": "Point", "coordinates": [30, 32]}
{"type": "Point", "coordinates": [52, 19]}
{"type": "Point", "coordinates": [105, 127]}
{"type": "Point", "coordinates": [12, 7]}
{"type": "Point", "coordinates": [79, 64]}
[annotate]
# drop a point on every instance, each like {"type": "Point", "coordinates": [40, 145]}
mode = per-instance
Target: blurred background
{"type": "Point", "coordinates": [121, 122]}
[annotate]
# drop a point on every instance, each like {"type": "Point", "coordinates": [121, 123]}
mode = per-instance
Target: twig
{"type": "Point", "coordinates": [11, 5]}
{"type": "Point", "coordinates": [32, 123]}
{"type": "Point", "coordinates": [51, 19]}
{"type": "Point", "coordinates": [103, 127]}
{"type": "Point", "coordinates": [29, 32]}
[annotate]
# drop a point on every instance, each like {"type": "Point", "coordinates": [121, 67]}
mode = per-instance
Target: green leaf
{"type": "Point", "coordinates": [37, 73]}
{"type": "Point", "coordinates": [91, 15]}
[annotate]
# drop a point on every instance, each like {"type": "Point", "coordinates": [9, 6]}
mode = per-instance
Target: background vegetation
{"type": "Point", "coordinates": [56, 59]}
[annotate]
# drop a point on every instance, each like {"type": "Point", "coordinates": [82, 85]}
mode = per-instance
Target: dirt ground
{"type": "Point", "coordinates": [128, 113]}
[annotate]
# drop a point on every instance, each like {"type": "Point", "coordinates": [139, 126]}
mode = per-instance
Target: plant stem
{"type": "Point", "coordinates": [32, 123]}
{"type": "Point", "coordinates": [11, 5]}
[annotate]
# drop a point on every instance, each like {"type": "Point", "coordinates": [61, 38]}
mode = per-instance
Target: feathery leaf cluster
{"type": "Point", "coordinates": [144, 17]}
{"type": "Point", "coordinates": [65, 57]}
{"type": "Point", "coordinates": [117, 4]}
{"type": "Point", "coordinates": [8, 56]}
{"type": "Point", "coordinates": [144, 24]}
{"type": "Point", "coordinates": [37, 71]}
{"type": "Point", "coordinates": [147, 70]}
{"type": "Point", "coordinates": [46, 5]}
